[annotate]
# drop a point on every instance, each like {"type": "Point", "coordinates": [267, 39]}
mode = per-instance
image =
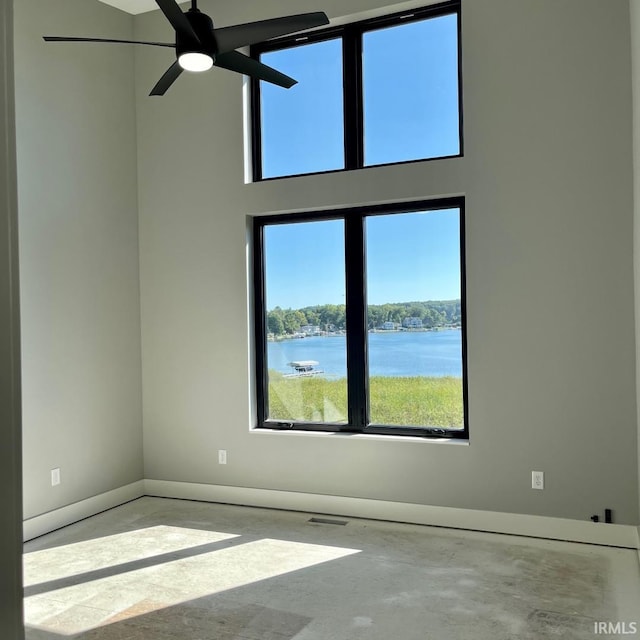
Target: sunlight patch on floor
{"type": "Point", "coordinates": [99, 553]}
{"type": "Point", "coordinates": [88, 602]}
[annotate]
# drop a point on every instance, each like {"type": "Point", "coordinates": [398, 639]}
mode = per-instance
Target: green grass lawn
{"type": "Point", "coordinates": [418, 401]}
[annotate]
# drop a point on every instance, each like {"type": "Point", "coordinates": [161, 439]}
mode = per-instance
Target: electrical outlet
{"type": "Point", "coordinates": [55, 477]}
{"type": "Point", "coordinates": [537, 479]}
{"type": "Point", "coordinates": [222, 456]}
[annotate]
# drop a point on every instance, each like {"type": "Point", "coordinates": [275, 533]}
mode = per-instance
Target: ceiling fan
{"type": "Point", "coordinates": [199, 46]}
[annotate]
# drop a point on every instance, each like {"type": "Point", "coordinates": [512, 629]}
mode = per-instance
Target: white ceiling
{"type": "Point", "coordinates": [135, 6]}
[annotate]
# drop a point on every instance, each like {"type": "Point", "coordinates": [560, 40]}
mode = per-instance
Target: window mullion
{"type": "Point", "coordinates": [353, 109]}
{"type": "Point", "coordinates": [256, 129]}
{"type": "Point", "coordinates": [262, 390]}
{"type": "Point", "coordinates": [356, 317]}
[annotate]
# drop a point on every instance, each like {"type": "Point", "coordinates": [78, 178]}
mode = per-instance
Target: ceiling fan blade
{"type": "Point", "coordinates": [64, 39]}
{"type": "Point", "coordinates": [243, 35]}
{"type": "Point", "coordinates": [236, 61]}
{"type": "Point", "coordinates": [169, 77]}
{"type": "Point", "coordinates": [178, 20]}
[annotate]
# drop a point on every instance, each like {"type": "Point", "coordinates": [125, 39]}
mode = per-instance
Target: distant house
{"type": "Point", "coordinates": [310, 329]}
{"type": "Point", "coordinates": [389, 326]}
{"type": "Point", "coordinates": [412, 323]}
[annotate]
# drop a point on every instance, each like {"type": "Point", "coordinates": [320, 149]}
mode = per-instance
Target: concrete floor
{"type": "Point", "coordinates": [159, 569]}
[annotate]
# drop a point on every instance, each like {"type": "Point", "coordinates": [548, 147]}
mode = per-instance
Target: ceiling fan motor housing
{"type": "Point", "coordinates": [203, 26]}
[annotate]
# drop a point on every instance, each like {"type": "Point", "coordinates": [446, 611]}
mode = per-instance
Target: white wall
{"type": "Point", "coordinates": [548, 180]}
{"type": "Point", "coordinates": [79, 253]}
{"type": "Point", "coordinates": [10, 480]}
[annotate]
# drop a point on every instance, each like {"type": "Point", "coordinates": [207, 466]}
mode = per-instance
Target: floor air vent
{"type": "Point", "coordinates": [328, 521]}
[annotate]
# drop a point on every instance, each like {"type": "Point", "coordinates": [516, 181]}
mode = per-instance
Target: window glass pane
{"type": "Point", "coordinates": [414, 319]}
{"type": "Point", "coordinates": [305, 307]}
{"type": "Point", "coordinates": [302, 127]}
{"type": "Point", "coordinates": [410, 78]}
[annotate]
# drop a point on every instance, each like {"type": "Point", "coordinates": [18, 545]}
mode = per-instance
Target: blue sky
{"type": "Point", "coordinates": [409, 257]}
{"type": "Point", "coordinates": [410, 112]}
{"type": "Point", "coordinates": [411, 91]}
{"type": "Point", "coordinates": [410, 80]}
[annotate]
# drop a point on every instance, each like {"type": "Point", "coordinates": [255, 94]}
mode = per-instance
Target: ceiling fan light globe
{"type": "Point", "coordinates": [194, 61]}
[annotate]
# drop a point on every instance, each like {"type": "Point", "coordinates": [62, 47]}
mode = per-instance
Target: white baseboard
{"type": "Point", "coordinates": [47, 522]}
{"type": "Point", "coordinates": [489, 521]}
{"type": "Point", "coordinates": [616, 535]}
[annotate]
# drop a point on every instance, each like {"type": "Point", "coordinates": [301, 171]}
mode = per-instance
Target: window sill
{"type": "Point", "coordinates": [360, 436]}
{"type": "Point", "coordinates": [397, 163]}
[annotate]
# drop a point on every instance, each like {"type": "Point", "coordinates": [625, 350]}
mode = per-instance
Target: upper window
{"type": "Point", "coordinates": [381, 91]}
{"type": "Point", "coordinates": [360, 320]}
{"type": "Point", "coordinates": [309, 116]}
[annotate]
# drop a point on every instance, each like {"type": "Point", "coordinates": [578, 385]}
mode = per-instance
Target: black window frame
{"type": "Point", "coordinates": [356, 319]}
{"type": "Point", "coordinates": [353, 98]}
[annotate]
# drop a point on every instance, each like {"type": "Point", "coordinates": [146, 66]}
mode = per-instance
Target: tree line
{"type": "Point", "coordinates": [434, 314]}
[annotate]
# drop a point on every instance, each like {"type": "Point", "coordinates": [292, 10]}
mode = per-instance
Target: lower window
{"type": "Point", "coordinates": [360, 320]}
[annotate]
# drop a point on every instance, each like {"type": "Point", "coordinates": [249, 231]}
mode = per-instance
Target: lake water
{"type": "Point", "coordinates": [406, 353]}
